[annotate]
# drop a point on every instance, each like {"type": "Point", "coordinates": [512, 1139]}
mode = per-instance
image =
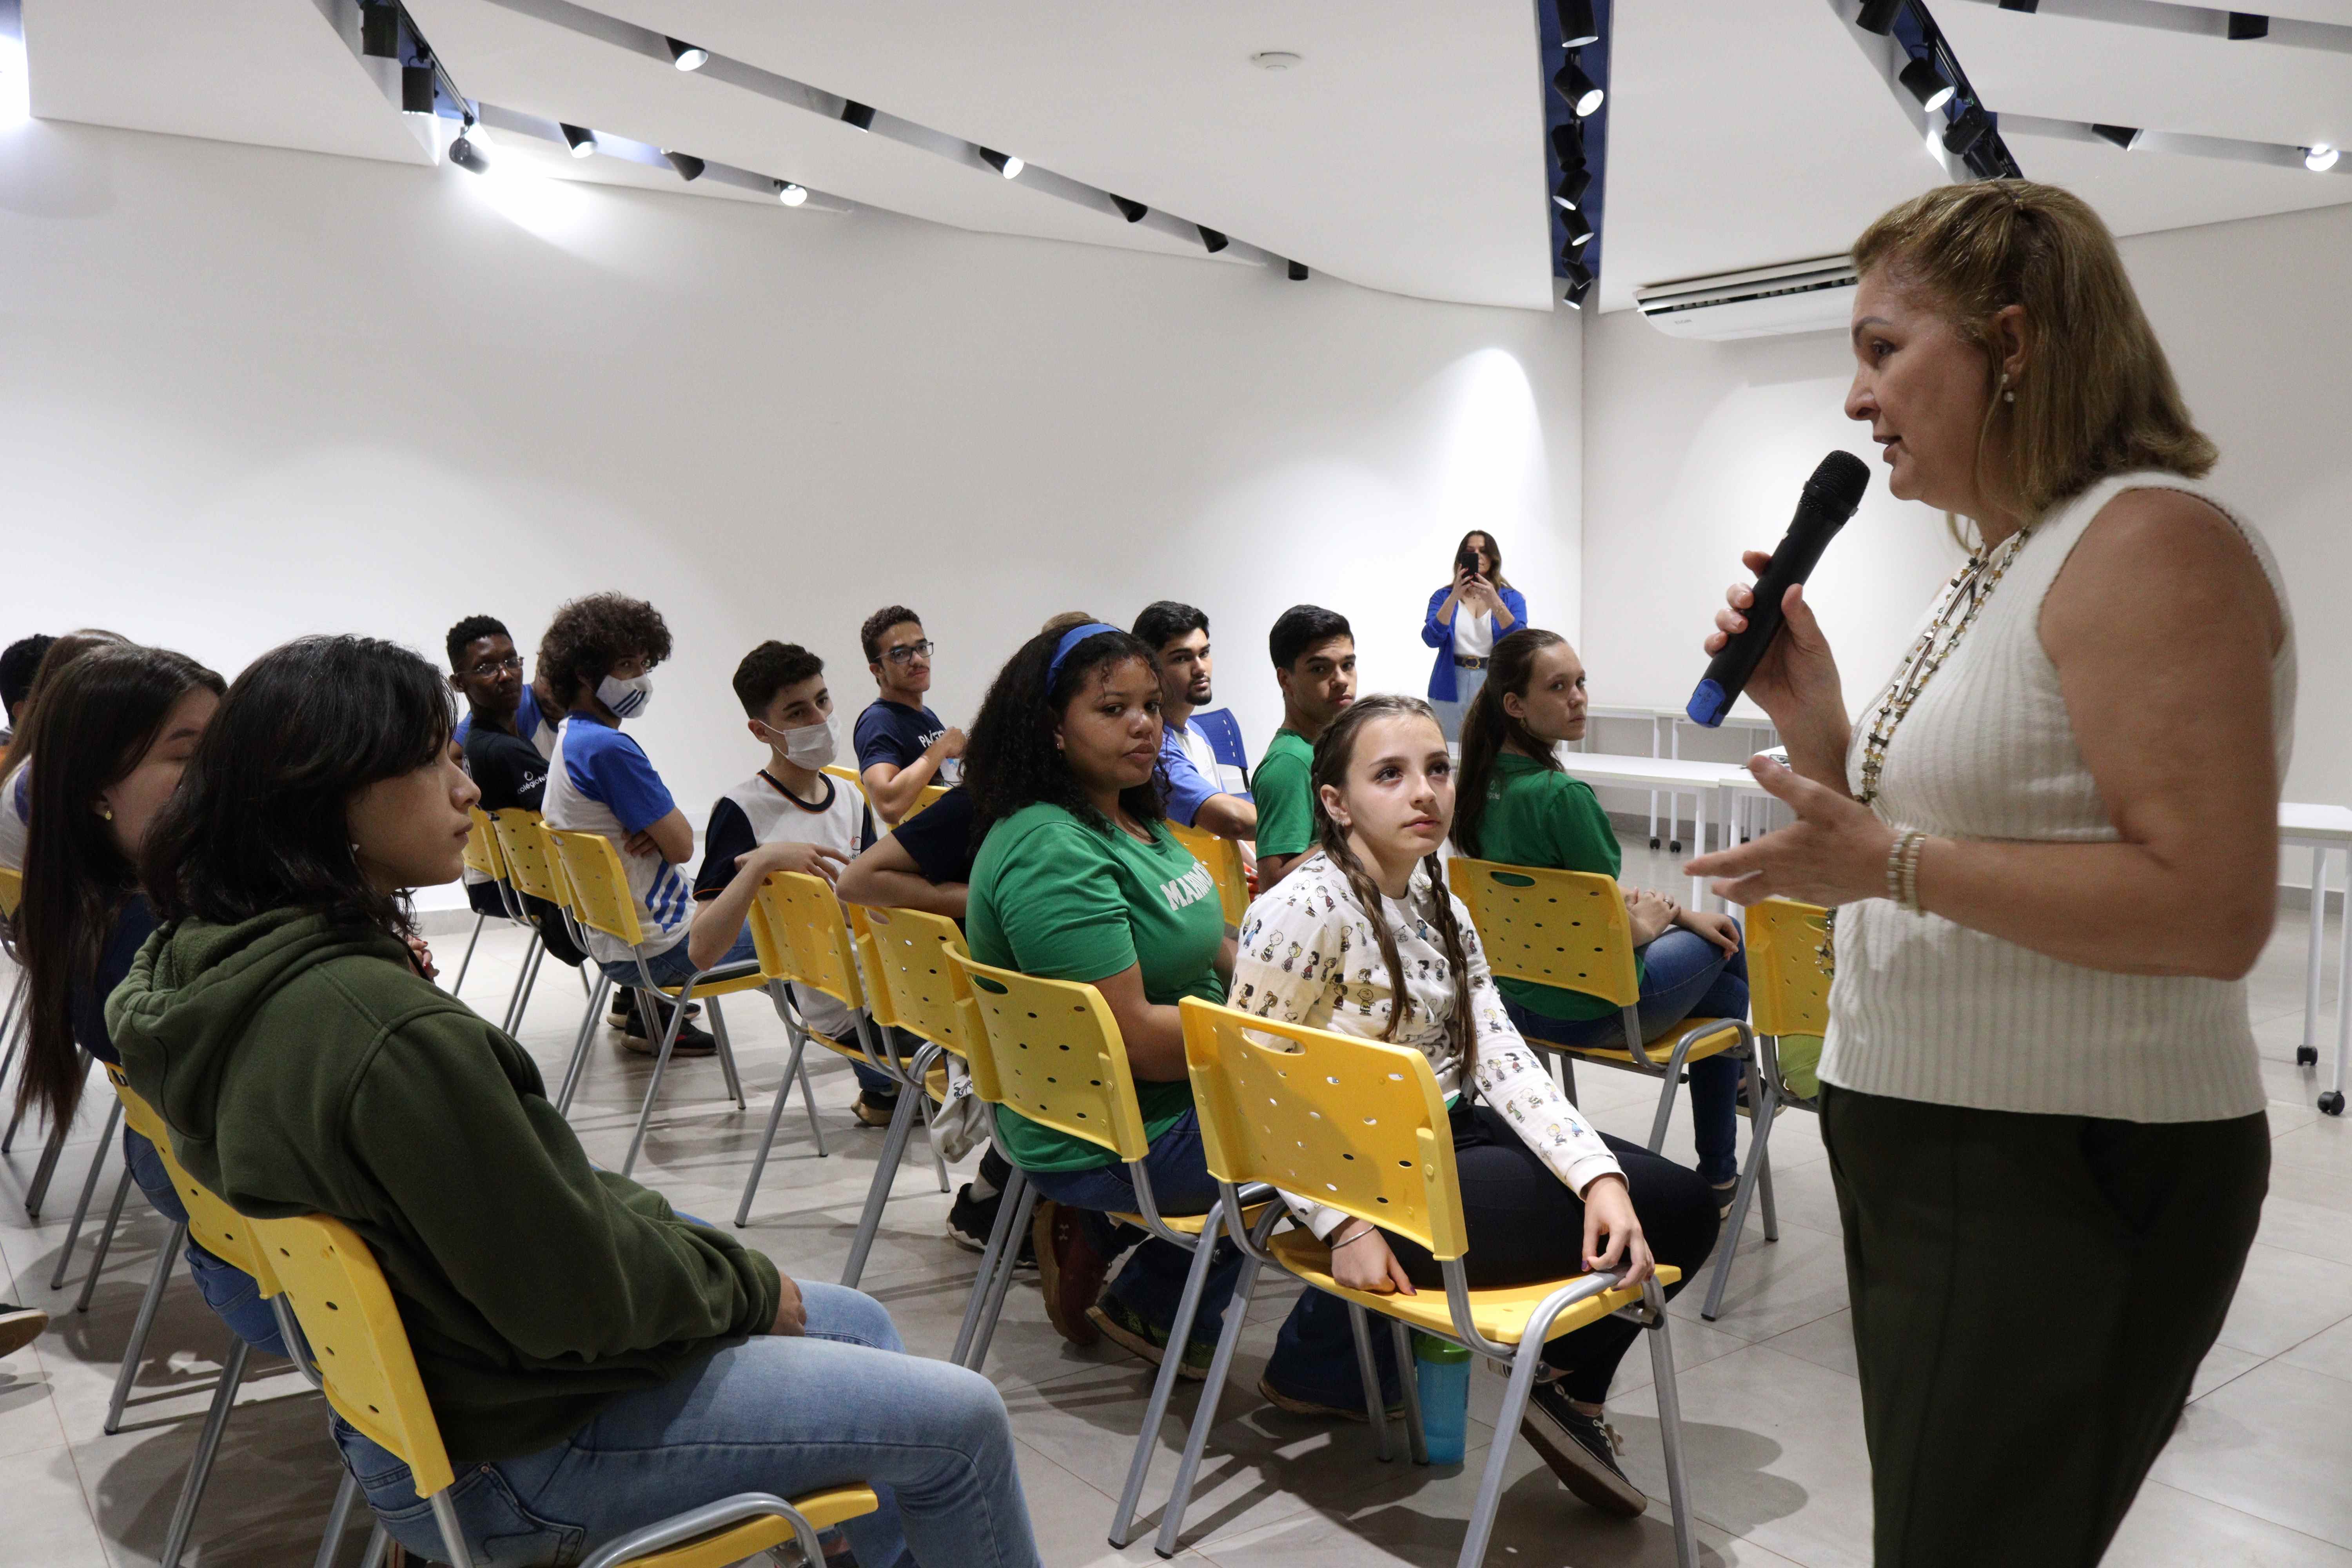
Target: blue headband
{"type": "Point", "coordinates": [1071, 639]}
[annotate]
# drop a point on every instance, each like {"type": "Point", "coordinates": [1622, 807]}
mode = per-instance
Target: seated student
{"type": "Point", "coordinates": [114, 728]}
{"type": "Point", "coordinates": [18, 660]}
{"type": "Point", "coordinates": [597, 659]}
{"type": "Point", "coordinates": [595, 1361]}
{"type": "Point", "coordinates": [15, 775]}
{"type": "Point", "coordinates": [1545, 1196]}
{"type": "Point", "coordinates": [1201, 748]}
{"type": "Point", "coordinates": [901, 745]}
{"type": "Point", "coordinates": [1314, 653]}
{"type": "Point", "coordinates": [1518, 805]}
{"type": "Point", "coordinates": [1078, 879]}
{"type": "Point", "coordinates": [486, 669]}
{"type": "Point", "coordinates": [791, 816]}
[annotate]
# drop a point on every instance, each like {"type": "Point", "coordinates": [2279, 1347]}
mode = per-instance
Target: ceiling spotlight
{"type": "Point", "coordinates": [2245, 24]}
{"type": "Point", "coordinates": [2320, 157]}
{"type": "Point", "coordinates": [466, 154]}
{"type": "Point", "coordinates": [1580, 229]}
{"type": "Point", "coordinates": [2028, 6]}
{"type": "Point", "coordinates": [1211, 240]}
{"type": "Point", "coordinates": [582, 142]}
{"type": "Point", "coordinates": [417, 88]}
{"type": "Point", "coordinates": [1296, 271]}
{"type": "Point", "coordinates": [1966, 131]}
{"type": "Point", "coordinates": [1878, 15]}
{"type": "Point", "coordinates": [688, 56]}
{"type": "Point", "coordinates": [689, 167]}
{"type": "Point", "coordinates": [1575, 283]}
{"type": "Point", "coordinates": [2124, 136]}
{"type": "Point", "coordinates": [1576, 24]}
{"type": "Point", "coordinates": [1570, 192]}
{"type": "Point", "coordinates": [380, 32]}
{"type": "Point", "coordinates": [1567, 144]}
{"type": "Point", "coordinates": [860, 115]}
{"type": "Point", "coordinates": [790, 194]}
{"type": "Point", "coordinates": [1131, 210]}
{"type": "Point", "coordinates": [1584, 94]}
{"type": "Point", "coordinates": [1007, 165]}
{"type": "Point", "coordinates": [1927, 85]}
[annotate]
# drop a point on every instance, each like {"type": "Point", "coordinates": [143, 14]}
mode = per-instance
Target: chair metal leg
{"type": "Point", "coordinates": [142, 1324]}
{"type": "Point", "coordinates": [726, 1052]}
{"type": "Point", "coordinates": [379, 1545]}
{"type": "Point", "coordinates": [1204, 1415]}
{"type": "Point", "coordinates": [338, 1519]}
{"type": "Point", "coordinates": [105, 1239]}
{"type": "Point", "coordinates": [878, 1193]}
{"type": "Point", "coordinates": [467, 962]}
{"type": "Point", "coordinates": [16, 1038]}
{"type": "Point", "coordinates": [647, 1007]}
{"type": "Point", "coordinates": [768, 1139]}
{"type": "Point", "coordinates": [1368, 1373]}
{"type": "Point", "coordinates": [931, 1134]}
{"type": "Point", "coordinates": [1008, 1262]}
{"type": "Point", "coordinates": [445, 1514]}
{"type": "Point", "coordinates": [1416, 1436]}
{"type": "Point", "coordinates": [1759, 1143]}
{"type": "Point", "coordinates": [1665, 1112]}
{"type": "Point", "coordinates": [1180, 1337]}
{"type": "Point", "coordinates": [1012, 1213]}
{"type": "Point", "coordinates": [1498, 1452]}
{"type": "Point", "coordinates": [46, 1169]}
{"type": "Point", "coordinates": [519, 998]}
{"type": "Point", "coordinates": [88, 1191]}
{"type": "Point", "coordinates": [200, 1468]}
{"type": "Point", "coordinates": [799, 1070]}
{"type": "Point", "coordinates": [1670, 1423]}
{"type": "Point", "coordinates": [578, 1067]}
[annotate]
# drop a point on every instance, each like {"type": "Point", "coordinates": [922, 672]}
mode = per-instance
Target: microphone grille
{"type": "Point", "coordinates": [1842, 479]}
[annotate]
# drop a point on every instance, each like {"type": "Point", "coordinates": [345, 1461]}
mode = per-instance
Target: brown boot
{"type": "Point", "coordinates": [1069, 1270]}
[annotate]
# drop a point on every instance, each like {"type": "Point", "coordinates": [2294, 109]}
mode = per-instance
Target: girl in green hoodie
{"type": "Point", "coordinates": [595, 1361]}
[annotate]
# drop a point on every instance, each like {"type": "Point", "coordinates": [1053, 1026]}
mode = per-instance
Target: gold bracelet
{"type": "Point", "coordinates": [1897, 883]}
{"type": "Point", "coordinates": [1912, 850]}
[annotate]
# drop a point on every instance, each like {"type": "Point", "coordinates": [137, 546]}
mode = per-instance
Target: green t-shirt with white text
{"type": "Point", "coordinates": [1284, 789]}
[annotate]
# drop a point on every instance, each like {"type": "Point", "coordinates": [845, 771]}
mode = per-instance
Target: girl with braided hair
{"type": "Point", "coordinates": [1364, 937]}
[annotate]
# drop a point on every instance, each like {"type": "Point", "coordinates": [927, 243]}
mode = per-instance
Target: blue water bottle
{"type": "Point", "coordinates": [1440, 1371]}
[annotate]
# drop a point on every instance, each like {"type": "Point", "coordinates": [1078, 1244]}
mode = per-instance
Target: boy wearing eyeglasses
{"type": "Point", "coordinates": [901, 744]}
{"type": "Point", "coordinates": [486, 669]}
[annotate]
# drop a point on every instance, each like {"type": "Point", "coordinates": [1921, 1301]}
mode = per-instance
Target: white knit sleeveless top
{"type": "Point", "coordinates": [1924, 1009]}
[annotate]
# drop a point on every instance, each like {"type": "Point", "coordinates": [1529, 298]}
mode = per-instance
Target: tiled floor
{"type": "Point", "coordinates": [2255, 1474]}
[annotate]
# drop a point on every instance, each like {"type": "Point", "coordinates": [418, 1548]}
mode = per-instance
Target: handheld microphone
{"type": "Point", "coordinates": [1828, 498]}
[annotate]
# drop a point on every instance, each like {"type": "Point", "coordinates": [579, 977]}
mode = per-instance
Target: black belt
{"type": "Point", "coordinates": [1466, 662]}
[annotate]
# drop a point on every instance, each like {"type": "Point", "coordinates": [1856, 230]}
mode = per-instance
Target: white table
{"type": "Point", "coordinates": [2325, 830]}
{"type": "Point", "coordinates": [1704, 782]}
{"type": "Point", "coordinates": [1666, 742]}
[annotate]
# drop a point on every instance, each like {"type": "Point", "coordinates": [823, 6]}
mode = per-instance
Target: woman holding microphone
{"type": "Point", "coordinates": [1465, 619]}
{"type": "Point", "coordinates": [2050, 840]}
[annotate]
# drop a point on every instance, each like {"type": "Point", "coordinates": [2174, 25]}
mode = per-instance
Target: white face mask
{"type": "Point", "coordinates": [626, 698]}
{"type": "Point", "coordinates": [810, 746]}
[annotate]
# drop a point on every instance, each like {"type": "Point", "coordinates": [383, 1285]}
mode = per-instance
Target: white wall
{"type": "Point", "coordinates": [1696, 449]}
{"type": "Point", "coordinates": [247, 394]}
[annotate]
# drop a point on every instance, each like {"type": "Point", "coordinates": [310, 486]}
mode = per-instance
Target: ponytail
{"type": "Point", "coordinates": [1489, 728]}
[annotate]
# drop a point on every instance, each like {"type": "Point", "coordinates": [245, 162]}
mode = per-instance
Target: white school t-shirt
{"type": "Point", "coordinates": [761, 811]}
{"type": "Point", "coordinates": [600, 781]}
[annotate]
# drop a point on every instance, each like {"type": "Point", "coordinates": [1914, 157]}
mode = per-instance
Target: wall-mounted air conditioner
{"type": "Point", "coordinates": [1798, 297]}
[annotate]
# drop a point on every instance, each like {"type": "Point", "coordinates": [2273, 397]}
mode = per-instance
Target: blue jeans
{"type": "Point", "coordinates": [673, 967]}
{"type": "Point", "coordinates": [1467, 684]}
{"type": "Point", "coordinates": [231, 1293]}
{"type": "Point", "coordinates": [1684, 976]}
{"type": "Point", "coordinates": [842, 1404]}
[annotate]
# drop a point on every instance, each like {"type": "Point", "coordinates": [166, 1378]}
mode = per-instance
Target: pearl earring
{"type": "Point", "coordinates": [105, 812]}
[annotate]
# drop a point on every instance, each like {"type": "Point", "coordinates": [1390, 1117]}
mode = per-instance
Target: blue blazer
{"type": "Point", "coordinates": [1441, 637]}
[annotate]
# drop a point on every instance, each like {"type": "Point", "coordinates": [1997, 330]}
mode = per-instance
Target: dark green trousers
{"type": "Point", "coordinates": [2031, 1295]}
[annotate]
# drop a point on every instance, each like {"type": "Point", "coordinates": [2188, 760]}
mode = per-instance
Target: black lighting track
{"type": "Point", "coordinates": [1576, 147]}
{"type": "Point", "coordinates": [1965, 120]}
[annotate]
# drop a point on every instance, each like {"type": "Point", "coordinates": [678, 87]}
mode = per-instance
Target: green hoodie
{"type": "Point", "coordinates": [305, 1069]}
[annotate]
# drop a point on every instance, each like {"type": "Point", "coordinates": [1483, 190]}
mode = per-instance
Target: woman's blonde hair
{"type": "Point", "coordinates": [2097, 395]}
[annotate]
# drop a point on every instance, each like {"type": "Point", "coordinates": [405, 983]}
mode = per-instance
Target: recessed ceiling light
{"type": "Point", "coordinates": [1927, 85]}
{"type": "Point", "coordinates": [2320, 157]}
{"type": "Point", "coordinates": [1003, 164]}
{"type": "Point", "coordinates": [1274, 60]}
{"type": "Point", "coordinates": [790, 194]}
{"type": "Point", "coordinates": [582, 142]}
{"type": "Point", "coordinates": [1580, 229]}
{"type": "Point", "coordinates": [1296, 271]}
{"type": "Point", "coordinates": [686, 57]}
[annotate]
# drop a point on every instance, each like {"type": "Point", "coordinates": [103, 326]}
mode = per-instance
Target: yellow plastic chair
{"type": "Point", "coordinates": [803, 940]}
{"type": "Point", "coordinates": [1361, 1127]}
{"type": "Point", "coordinates": [1050, 1050]}
{"type": "Point", "coordinates": [19, 1015]}
{"type": "Point", "coordinates": [348, 1314]}
{"type": "Point", "coordinates": [536, 869]}
{"type": "Point", "coordinates": [924, 798]}
{"type": "Point", "coordinates": [1571, 930]}
{"type": "Point", "coordinates": [601, 902]}
{"type": "Point", "coordinates": [485, 858]}
{"type": "Point", "coordinates": [1222, 857]}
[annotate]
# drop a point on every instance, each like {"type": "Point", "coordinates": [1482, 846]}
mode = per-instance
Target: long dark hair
{"type": "Point", "coordinates": [1011, 761]}
{"type": "Point", "coordinates": [60, 655]}
{"type": "Point", "coordinates": [1333, 753]}
{"type": "Point", "coordinates": [97, 718]}
{"type": "Point", "coordinates": [259, 822]}
{"type": "Point", "coordinates": [1494, 553]}
{"type": "Point", "coordinates": [1488, 728]}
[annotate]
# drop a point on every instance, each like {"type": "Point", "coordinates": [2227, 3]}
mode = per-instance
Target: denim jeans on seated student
{"type": "Point", "coordinates": [230, 1292]}
{"type": "Point", "coordinates": [1684, 976]}
{"type": "Point", "coordinates": [841, 1404]}
{"type": "Point", "coordinates": [675, 967]}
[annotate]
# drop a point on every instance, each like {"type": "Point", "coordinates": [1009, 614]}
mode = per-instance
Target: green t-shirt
{"type": "Point", "coordinates": [1538, 816]}
{"type": "Point", "coordinates": [1055, 898]}
{"type": "Point", "coordinates": [1283, 789]}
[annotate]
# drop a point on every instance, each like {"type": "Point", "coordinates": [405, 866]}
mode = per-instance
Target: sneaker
{"type": "Point", "coordinates": [20, 1326]}
{"type": "Point", "coordinates": [970, 1220]}
{"type": "Point", "coordinates": [624, 1007]}
{"type": "Point", "coordinates": [875, 1109]}
{"type": "Point", "coordinates": [1122, 1324]}
{"type": "Point", "coordinates": [1303, 1404]}
{"type": "Point", "coordinates": [1724, 1193]}
{"type": "Point", "coordinates": [1581, 1451]}
{"type": "Point", "coordinates": [692, 1040]}
{"type": "Point", "coordinates": [1069, 1270]}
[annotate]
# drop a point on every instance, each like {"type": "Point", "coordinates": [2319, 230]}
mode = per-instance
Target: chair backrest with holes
{"type": "Point", "coordinates": [1054, 1055]}
{"type": "Point", "coordinates": [12, 892]}
{"type": "Point", "coordinates": [531, 861]}
{"type": "Point", "coordinates": [802, 912]}
{"type": "Point", "coordinates": [1567, 929]}
{"type": "Point", "coordinates": [214, 1225]}
{"type": "Point", "coordinates": [1222, 857]}
{"type": "Point", "coordinates": [482, 846]}
{"type": "Point", "coordinates": [600, 887]}
{"type": "Point", "coordinates": [1354, 1124]}
{"type": "Point", "coordinates": [357, 1340]}
{"type": "Point", "coordinates": [925, 798]}
{"type": "Point", "coordinates": [905, 953]}
{"type": "Point", "coordinates": [1789, 989]}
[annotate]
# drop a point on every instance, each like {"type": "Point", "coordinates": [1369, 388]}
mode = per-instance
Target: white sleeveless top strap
{"type": "Point", "coordinates": [1924, 1009]}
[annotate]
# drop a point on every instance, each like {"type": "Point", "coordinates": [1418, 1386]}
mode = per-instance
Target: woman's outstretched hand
{"type": "Point", "coordinates": [1835, 853]}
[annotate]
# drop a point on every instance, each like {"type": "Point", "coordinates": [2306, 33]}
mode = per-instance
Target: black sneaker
{"type": "Point", "coordinates": [624, 1007]}
{"type": "Point", "coordinates": [692, 1040]}
{"type": "Point", "coordinates": [970, 1220]}
{"type": "Point", "coordinates": [1581, 1451]}
{"type": "Point", "coordinates": [20, 1326]}
{"type": "Point", "coordinates": [875, 1109]}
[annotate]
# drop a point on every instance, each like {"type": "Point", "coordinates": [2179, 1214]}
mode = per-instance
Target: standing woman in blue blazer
{"type": "Point", "coordinates": [1465, 619]}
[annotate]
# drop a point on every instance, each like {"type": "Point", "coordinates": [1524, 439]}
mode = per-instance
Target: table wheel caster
{"type": "Point", "coordinates": [2332, 1102]}
{"type": "Point", "coordinates": [1653, 844]}
{"type": "Point", "coordinates": [2307, 1055]}
{"type": "Point", "coordinates": [1675, 845]}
